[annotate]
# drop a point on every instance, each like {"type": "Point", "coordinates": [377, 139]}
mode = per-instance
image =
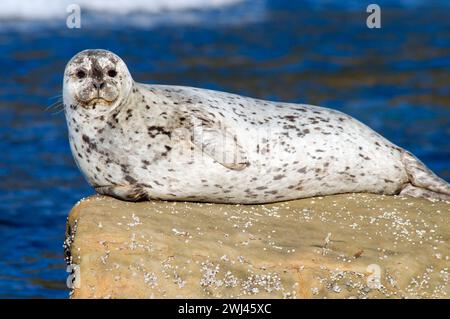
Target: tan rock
{"type": "Point", "coordinates": [330, 247]}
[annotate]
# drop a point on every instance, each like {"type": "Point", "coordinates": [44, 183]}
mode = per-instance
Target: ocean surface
{"type": "Point", "coordinates": [395, 79]}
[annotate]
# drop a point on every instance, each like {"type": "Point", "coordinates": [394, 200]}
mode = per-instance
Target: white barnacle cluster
{"type": "Point", "coordinates": [135, 221]}
{"type": "Point", "coordinates": [209, 272]}
{"type": "Point", "coordinates": [436, 281]}
{"type": "Point", "coordinates": [105, 257]}
{"type": "Point", "coordinates": [68, 241]}
{"type": "Point", "coordinates": [269, 282]}
{"type": "Point", "coordinates": [151, 279]}
{"type": "Point", "coordinates": [337, 281]}
{"type": "Point", "coordinates": [172, 272]}
{"type": "Point", "coordinates": [255, 282]}
{"type": "Point", "coordinates": [272, 211]}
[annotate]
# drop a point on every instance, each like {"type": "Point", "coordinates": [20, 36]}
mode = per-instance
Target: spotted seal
{"type": "Point", "coordinates": [135, 141]}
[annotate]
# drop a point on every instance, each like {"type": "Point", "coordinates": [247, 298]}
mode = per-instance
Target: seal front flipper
{"type": "Point", "coordinates": [127, 192]}
{"type": "Point", "coordinates": [220, 144]}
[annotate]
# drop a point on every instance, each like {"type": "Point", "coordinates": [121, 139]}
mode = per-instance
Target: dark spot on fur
{"type": "Point", "coordinates": [130, 179]}
{"type": "Point", "coordinates": [302, 170]}
{"type": "Point", "coordinates": [154, 131]}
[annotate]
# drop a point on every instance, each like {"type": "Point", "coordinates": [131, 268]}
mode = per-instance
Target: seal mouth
{"type": "Point", "coordinates": [96, 100]}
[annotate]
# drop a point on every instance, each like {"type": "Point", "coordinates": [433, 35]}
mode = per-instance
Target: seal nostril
{"type": "Point", "coordinates": [98, 85]}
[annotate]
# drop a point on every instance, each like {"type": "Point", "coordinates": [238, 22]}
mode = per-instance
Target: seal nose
{"type": "Point", "coordinates": [98, 85]}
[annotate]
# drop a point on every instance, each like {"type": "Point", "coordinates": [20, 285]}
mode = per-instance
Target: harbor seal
{"type": "Point", "coordinates": [136, 141]}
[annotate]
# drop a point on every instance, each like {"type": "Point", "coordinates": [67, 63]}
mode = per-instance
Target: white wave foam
{"type": "Point", "coordinates": [50, 9]}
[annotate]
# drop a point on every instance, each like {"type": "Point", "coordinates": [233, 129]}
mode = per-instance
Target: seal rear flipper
{"type": "Point", "coordinates": [414, 191]}
{"type": "Point", "coordinates": [421, 177]}
{"type": "Point", "coordinates": [221, 145]}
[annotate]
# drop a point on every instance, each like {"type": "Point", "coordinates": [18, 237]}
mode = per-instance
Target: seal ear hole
{"type": "Point", "coordinates": [112, 73]}
{"type": "Point", "coordinates": [81, 74]}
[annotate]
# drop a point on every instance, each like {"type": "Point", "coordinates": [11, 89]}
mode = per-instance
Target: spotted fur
{"type": "Point", "coordinates": [184, 143]}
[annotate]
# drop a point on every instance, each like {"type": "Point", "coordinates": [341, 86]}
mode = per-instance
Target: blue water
{"type": "Point", "coordinates": [396, 80]}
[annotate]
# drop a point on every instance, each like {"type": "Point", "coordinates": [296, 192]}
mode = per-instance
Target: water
{"type": "Point", "coordinates": [320, 52]}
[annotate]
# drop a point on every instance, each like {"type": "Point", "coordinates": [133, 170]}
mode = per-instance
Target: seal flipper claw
{"type": "Point", "coordinates": [129, 193]}
{"type": "Point", "coordinates": [423, 182]}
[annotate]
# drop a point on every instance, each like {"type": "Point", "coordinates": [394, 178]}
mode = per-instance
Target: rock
{"type": "Point", "coordinates": [325, 247]}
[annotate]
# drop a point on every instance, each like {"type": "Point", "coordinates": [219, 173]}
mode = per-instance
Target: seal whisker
{"type": "Point", "coordinates": [59, 106]}
{"type": "Point", "coordinates": [58, 111]}
{"type": "Point", "coordinates": [57, 96]}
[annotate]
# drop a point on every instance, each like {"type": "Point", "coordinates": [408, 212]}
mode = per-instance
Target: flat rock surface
{"type": "Point", "coordinates": [342, 246]}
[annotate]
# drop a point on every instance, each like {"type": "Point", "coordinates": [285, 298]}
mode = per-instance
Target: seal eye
{"type": "Point", "coordinates": [81, 74]}
{"type": "Point", "coordinates": [112, 73]}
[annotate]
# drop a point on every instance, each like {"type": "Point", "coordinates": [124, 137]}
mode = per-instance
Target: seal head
{"type": "Point", "coordinates": [96, 81]}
